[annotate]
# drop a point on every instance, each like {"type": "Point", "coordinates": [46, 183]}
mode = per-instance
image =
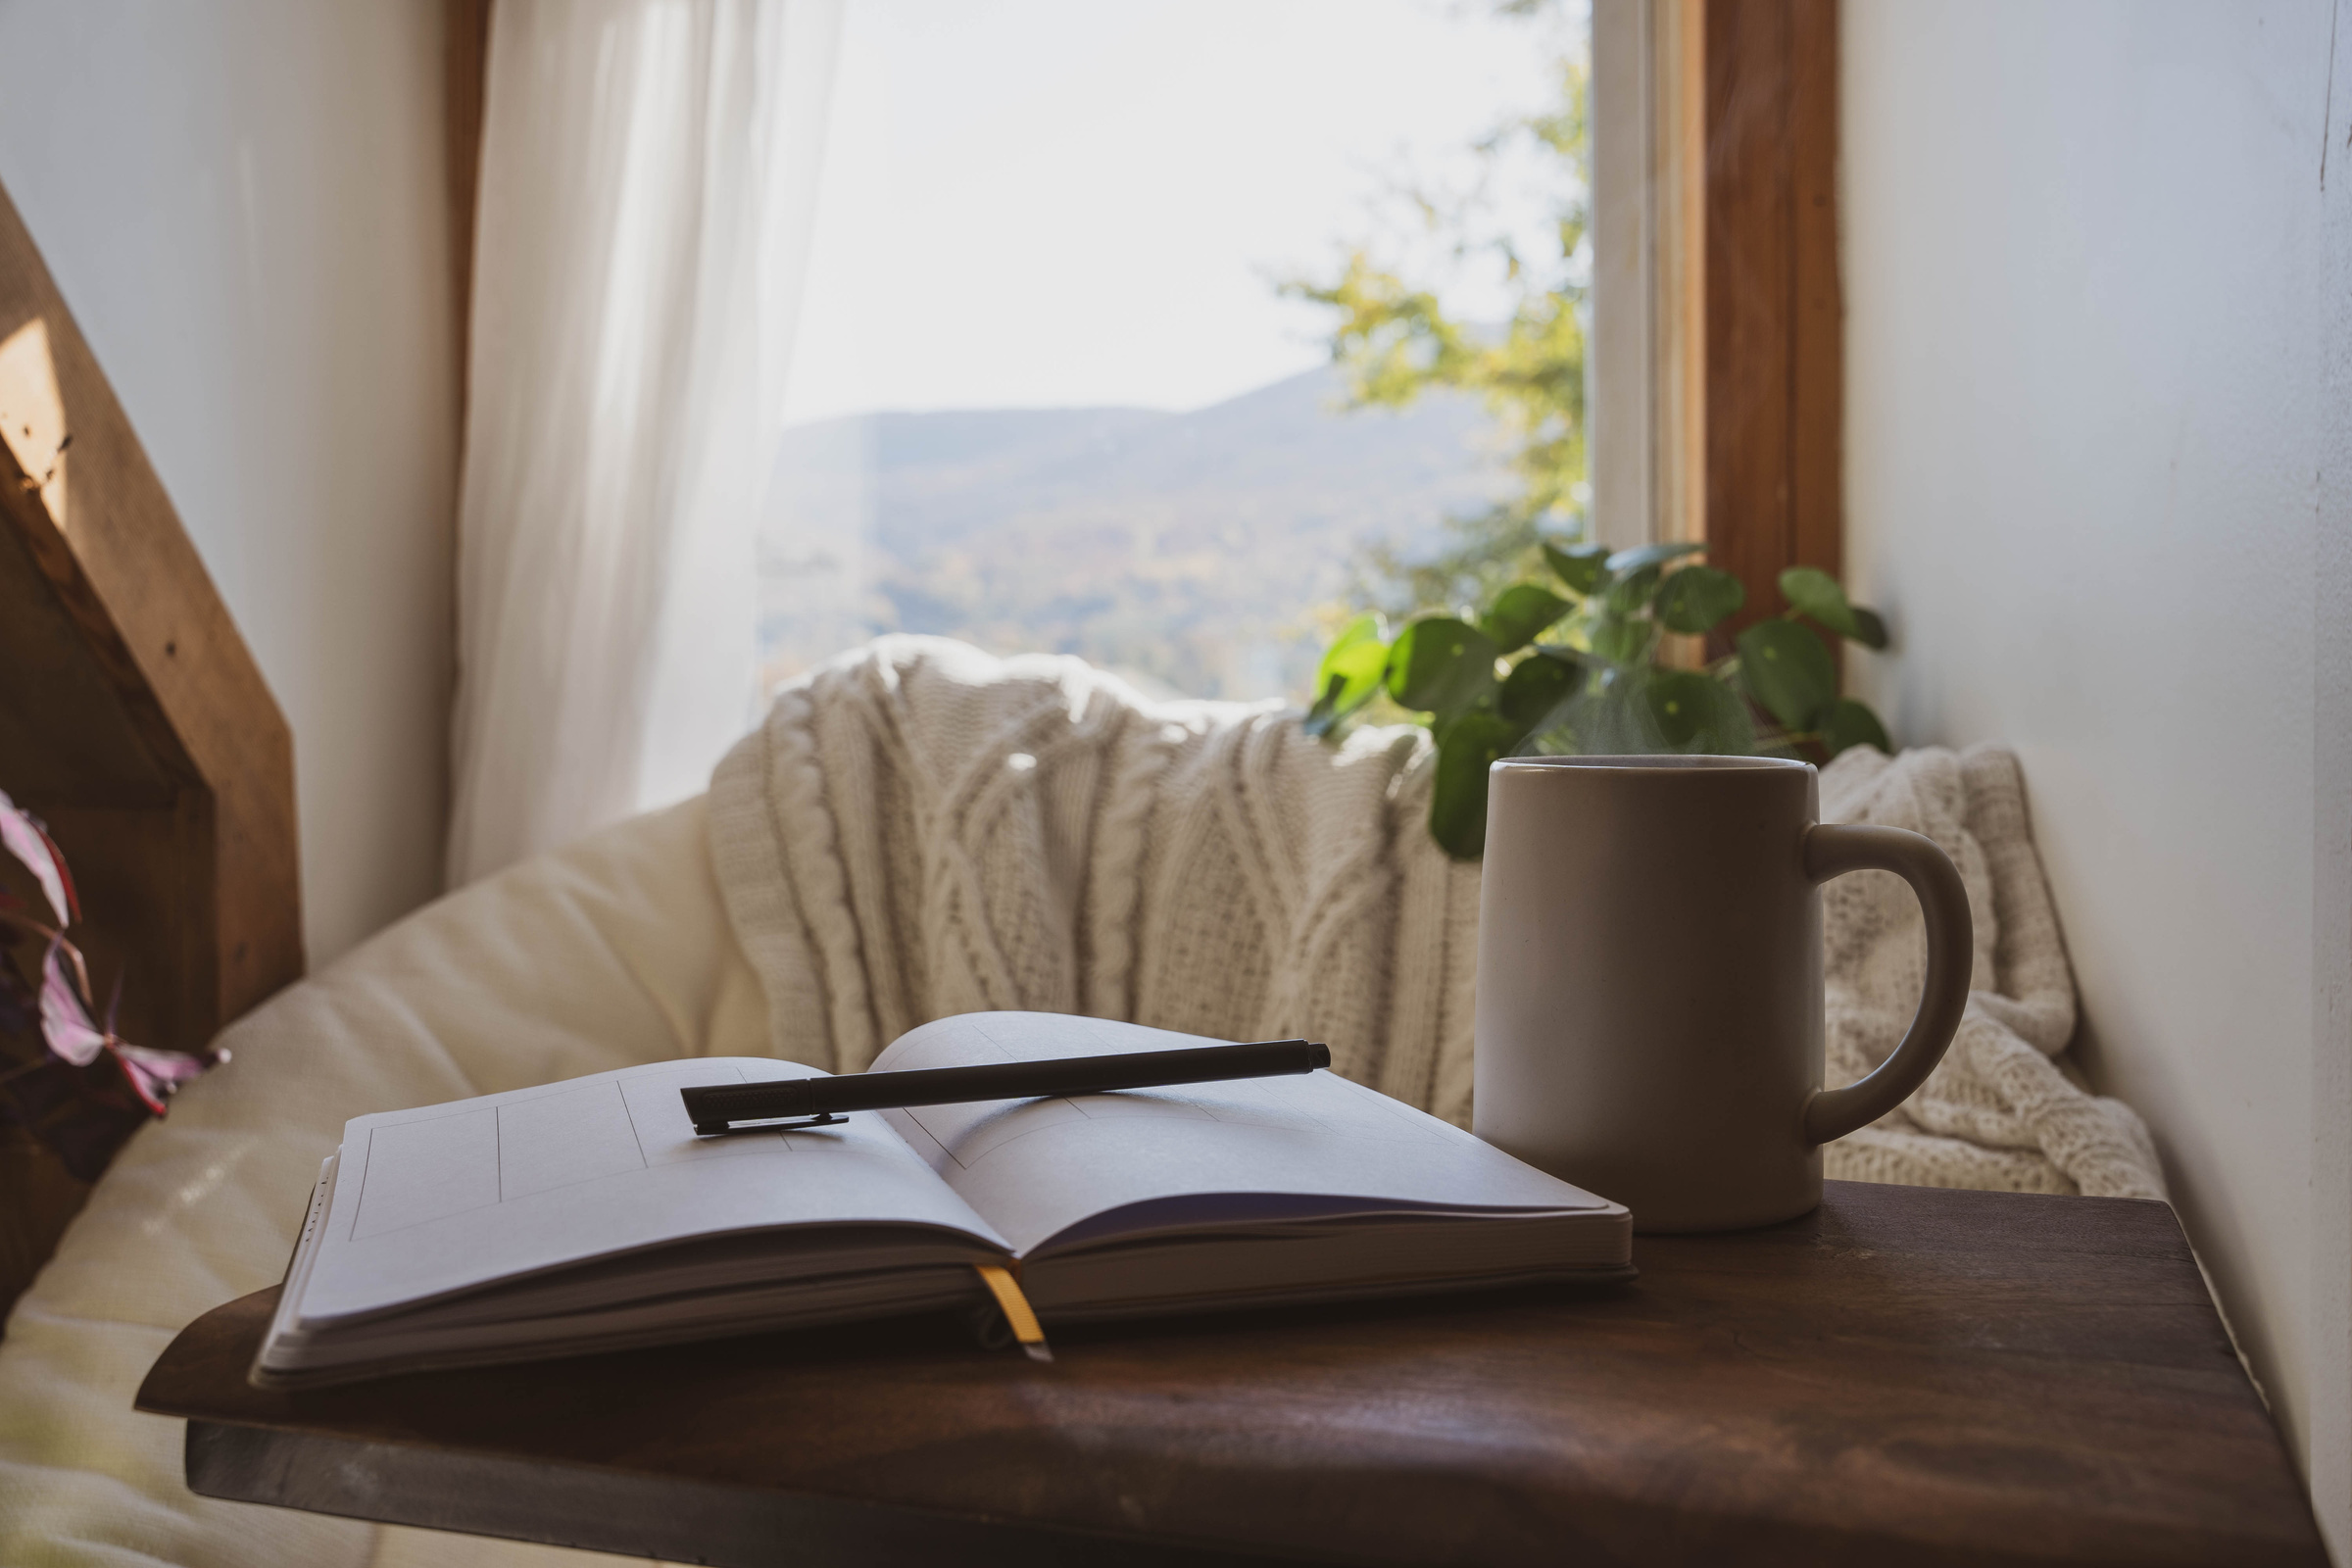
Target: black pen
{"type": "Point", "coordinates": [817, 1102]}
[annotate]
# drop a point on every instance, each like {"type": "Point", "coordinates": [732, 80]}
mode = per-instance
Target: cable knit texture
{"type": "Point", "coordinates": [1998, 1112]}
{"type": "Point", "coordinates": [920, 829]}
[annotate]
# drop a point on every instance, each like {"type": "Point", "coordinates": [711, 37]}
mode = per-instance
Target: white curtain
{"type": "Point", "coordinates": [649, 172]}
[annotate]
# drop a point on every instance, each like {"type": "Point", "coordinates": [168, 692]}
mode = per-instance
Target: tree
{"type": "Point", "coordinates": [1396, 339]}
{"type": "Point", "coordinates": [1531, 637]}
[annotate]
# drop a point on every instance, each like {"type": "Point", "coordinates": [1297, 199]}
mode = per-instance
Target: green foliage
{"type": "Point", "coordinates": [1580, 567]}
{"type": "Point", "coordinates": [1697, 597]}
{"type": "Point", "coordinates": [1852, 723]}
{"type": "Point", "coordinates": [1441, 666]}
{"type": "Point", "coordinates": [1536, 687]}
{"type": "Point", "coordinates": [1520, 615]}
{"type": "Point", "coordinates": [1816, 593]}
{"type": "Point", "coordinates": [1395, 338]}
{"type": "Point", "coordinates": [1457, 794]}
{"type": "Point", "coordinates": [1350, 674]}
{"type": "Point", "coordinates": [1571, 653]}
{"type": "Point", "coordinates": [1787, 669]}
{"type": "Point", "coordinates": [1573, 665]}
{"type": "Point", "coordinates": [1648, 559]}
{"type": "Point", "coordinates": [1692, 712]}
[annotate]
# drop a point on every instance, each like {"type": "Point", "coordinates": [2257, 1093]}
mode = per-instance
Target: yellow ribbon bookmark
{"type": "Point", "coordinates": [1008, 1291]}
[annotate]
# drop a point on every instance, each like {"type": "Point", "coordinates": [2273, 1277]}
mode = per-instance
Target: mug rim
{"type": "Point", "coordinates": [1661, 762]}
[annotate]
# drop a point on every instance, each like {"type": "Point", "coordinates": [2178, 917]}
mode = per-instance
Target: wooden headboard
{"type": "Point", "coordinates": [132, 718]}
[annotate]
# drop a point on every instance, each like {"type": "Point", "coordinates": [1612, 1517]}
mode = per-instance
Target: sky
{"type": "Point", "coordinates": [1063, 203]}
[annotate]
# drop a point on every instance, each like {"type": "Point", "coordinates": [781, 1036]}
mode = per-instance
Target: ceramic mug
{"type": "Point", "coordinates": [1650, 985]}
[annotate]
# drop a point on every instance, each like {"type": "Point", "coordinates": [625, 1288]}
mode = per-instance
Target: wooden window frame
{"type": "Point", "coordinates": [1775, 343]}
{"type": "Point", "coordinates": [1717, 346]}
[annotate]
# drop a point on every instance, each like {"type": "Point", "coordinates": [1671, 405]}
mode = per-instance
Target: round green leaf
{"type": "Point", "coordinates": [1625, 562]}
{"type": "Point", "coordinates": [1695, 599]}
{"type": "Point", "coordinates": [1580, 567]}
{"type": "Point", "coordinates": [1852, 723]}
{"type": "Point", "coordinates": [1869, 630]}
{"type": "Point", "coordinates": [1458, 796]}
{"type": "Point", "coordinates": [1441, 666]}
{"type": "Point", "coordinates": [1697, 712]}
{"type": "Point", "coordinates": [1627, 594]}
{"type": "Point", "coordinates": [1518, 613]}
{"type": "Point", "coordinates": [1816, 593]}
{"type": "Point", "coordinates": [1787, 669]}
{"type": "Point", "coordinates": [1350, 673]}
{"type": "Point", "coordinates": [1622, 642]}
{"type": "Point", "coordinates": [1544, 679]}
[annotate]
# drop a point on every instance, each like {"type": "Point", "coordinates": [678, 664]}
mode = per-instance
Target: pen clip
{"type": "Point", "coordinates": [788, 1124]}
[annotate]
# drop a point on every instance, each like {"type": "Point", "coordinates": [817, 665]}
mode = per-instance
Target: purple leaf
{"type": "Point", "coordinates": [157, 1074]}
{"type": "Point", "coordinates": [65, 1019]}
{"type": "Point", "coordinates": [24, 838]}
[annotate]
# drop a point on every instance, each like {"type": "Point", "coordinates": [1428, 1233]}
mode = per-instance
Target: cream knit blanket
{"type": "Point", "coordinates": [920, 829]}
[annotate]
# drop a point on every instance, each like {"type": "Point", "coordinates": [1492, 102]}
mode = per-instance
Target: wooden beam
{"type": "Point", "coordinates": [1774, 346]}
{"type": "Point", "coordinates": [132, 717]}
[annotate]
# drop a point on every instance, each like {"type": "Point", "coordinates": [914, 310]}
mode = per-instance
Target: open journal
{"type": "Point", "coordinates": [587, 1216]}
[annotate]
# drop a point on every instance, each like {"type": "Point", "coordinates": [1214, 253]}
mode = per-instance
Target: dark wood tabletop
{"type": "Point", "coordinates": [1907, 1375]}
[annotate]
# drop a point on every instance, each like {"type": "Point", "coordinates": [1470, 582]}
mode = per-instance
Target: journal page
{"type": "Point", "coordinates": [1249, 1149]}
{"type": "Point", "coordinates": [443, 1198]}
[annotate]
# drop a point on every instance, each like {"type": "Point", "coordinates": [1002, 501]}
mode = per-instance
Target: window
{"type": "Point", "coordinates": [1048, 390]}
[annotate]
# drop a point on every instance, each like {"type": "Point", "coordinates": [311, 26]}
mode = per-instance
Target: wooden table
{"type": "Point", "coordinates": [1905, 1376]}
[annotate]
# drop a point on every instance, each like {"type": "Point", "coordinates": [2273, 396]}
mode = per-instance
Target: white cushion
{"type": "Point", "coordinates": [613, 951]}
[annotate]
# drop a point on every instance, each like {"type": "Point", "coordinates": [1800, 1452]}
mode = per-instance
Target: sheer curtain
{"type": "Point", "coordinates": [649, 170]}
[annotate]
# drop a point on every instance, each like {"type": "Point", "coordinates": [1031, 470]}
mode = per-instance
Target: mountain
{"type": "Point", "coordinates": [1190, 550]}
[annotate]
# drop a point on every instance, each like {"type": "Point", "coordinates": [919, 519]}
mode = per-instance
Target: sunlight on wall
{"type": "Point", "coordinates": [242, 203]}
{"type": "Point", "coordinates": [32, 414]}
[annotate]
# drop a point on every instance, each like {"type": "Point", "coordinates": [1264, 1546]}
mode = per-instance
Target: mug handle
{"type": "Point", "coordinates": [1835, 848]}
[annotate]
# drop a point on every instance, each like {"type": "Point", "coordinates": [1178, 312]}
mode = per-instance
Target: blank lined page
{"type": "Point", "coordinates": [414, 1172]}
{"type": "Point", "coordinates": [1036, 1168]}
{"type": "Point", "coordinates": [552, 1141]}
{"type": "Point", "coordinates": [442, 1198]}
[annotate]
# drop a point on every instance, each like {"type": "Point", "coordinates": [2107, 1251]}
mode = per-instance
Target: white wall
{"type": "Point", "coordinates": [2096, 472]}
{"type": "Point", "coordinates": [243, 203]}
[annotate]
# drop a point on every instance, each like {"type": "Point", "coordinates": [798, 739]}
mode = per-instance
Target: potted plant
{"type": "Point", "coordinates": [1581, 661]}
